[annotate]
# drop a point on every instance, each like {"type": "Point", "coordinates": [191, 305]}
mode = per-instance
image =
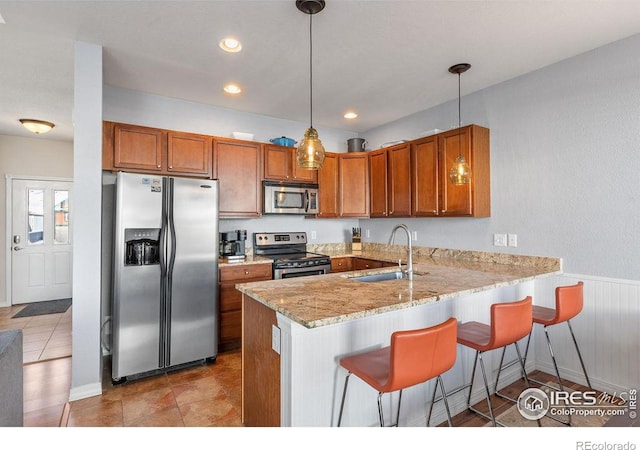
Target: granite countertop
{"type": "Point", "coordinates": [249, 259]}
{"type": "Point", "coordinates": [321, 300]}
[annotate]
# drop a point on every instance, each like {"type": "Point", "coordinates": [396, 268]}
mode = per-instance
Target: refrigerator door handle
{"type": "Point", "coordinates": [171, 250]}
{"type": "Point", "coordinates": [163, 275]}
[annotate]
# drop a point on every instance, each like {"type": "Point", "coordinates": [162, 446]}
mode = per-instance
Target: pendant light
{"type": "Point", "coordinates": [460, 173]}
{"type": "Point", "coordinates": [310, 152]}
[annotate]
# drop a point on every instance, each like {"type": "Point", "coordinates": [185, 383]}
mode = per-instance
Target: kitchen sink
{"type": "Point", "coordinates": [379, 277]}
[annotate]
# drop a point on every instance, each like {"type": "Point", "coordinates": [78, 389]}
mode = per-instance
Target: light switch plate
{"type": "Point", "coordinates": [512, 240]}
{"type": "Point", "coordinates": [275, 339]}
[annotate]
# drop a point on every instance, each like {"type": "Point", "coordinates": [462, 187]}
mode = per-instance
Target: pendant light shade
{"type": "Point", "coordinates": [37, 126]}
{"type": "Point", "coordinates": [460, 172]}
{"type": "Point", "coordinates": [310, 153]}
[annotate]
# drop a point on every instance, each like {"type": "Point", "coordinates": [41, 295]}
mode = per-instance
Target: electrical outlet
{"type": "Point", "coordinates": [512, 240]}
{"type": "Point", "coordinates": [500, 240]}
{"type": "Point", "coordinates": [367, 233]}
{"type": "Point", "coordinates": [313, 235]}
{"type": "Point", "coordinates": [415, 235]}
{"type": "Point", "coordinates": [275, 339]}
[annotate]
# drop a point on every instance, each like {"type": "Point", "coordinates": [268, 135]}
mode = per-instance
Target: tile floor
{"type": "Point", "coordinates": [43, 337]}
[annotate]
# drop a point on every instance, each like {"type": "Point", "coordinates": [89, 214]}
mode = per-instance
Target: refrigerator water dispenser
{"type": "Point", "coordinates": [142, 246]}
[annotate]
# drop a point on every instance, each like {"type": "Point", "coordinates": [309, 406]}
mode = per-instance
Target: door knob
{"type": "Point", "coordinates": [16, 248]}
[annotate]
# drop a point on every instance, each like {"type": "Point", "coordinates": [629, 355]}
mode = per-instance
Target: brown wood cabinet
{"type": "Point", "coordinates": [390, 181]}
{"type": "Point", "coordinates": [238, 167]}
{"type": "Point", "coordinates": [424, 177]}
{"type": "Point", "coordinates": [152, 150]}
{"type": "Point", "coordinates": [230, 300]}
{"type": "Point", "coordinates": [189, 153]}
{"type": "Point", "coordinates": [365, 263]}
{"type": "Point", "coordinates": [328, 187]}
{"type": "Point", "coordinates": [432, 158]}
{"type": "Point", "coordinates": [354, 184]}
{"type": "Point", "coordinates": [280, 165]}
{"type": "Point", "coordinates": [341, 264]}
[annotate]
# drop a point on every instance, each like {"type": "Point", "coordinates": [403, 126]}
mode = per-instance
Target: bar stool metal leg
{"type": "Point", "coordinates": [584, 370]}
{"type": "Point", "coordinates": [444, 398]}
{"type": "Point", "coordinates": [344, 394]}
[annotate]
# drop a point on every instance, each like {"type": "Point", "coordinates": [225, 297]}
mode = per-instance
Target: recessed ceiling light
{"type": "Point", "coordinates": [232, 88]}
{"type": "Point", "coordinates": [350, 115]}
{"type": "Point", "coordinates": [230, 45]}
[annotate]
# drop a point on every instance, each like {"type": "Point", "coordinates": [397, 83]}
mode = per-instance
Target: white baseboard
{"type": "Point", "coordinates": [86, 391]}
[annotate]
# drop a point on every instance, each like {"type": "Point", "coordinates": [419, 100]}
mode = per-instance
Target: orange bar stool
{"type": "Point", "coordinates": [414, 357]}
{"type": "Point", "coordinates": [510, 322]}
{"type": "Point", "coordinates": [569, 301]}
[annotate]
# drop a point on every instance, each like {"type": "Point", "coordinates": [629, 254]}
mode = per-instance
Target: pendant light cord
{"type": "Point", "coordinates": [310, 71]}
{"type": "Point", "coordinates": [459, 120]}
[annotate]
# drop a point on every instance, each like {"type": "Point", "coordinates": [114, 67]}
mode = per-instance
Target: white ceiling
{"type": "Point", "coordinates": [384, 59]}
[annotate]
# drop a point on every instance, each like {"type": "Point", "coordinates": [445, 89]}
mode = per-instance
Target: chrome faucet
{"type": "Point", "coordinates": [409, 271]}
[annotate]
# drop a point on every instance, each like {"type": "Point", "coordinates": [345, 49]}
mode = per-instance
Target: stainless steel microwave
{"type": "Point", "coordinates": [289, 198]}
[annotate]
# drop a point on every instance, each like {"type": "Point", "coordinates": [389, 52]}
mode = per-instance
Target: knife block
{"type": "Point", "coordinates": [356, 245]}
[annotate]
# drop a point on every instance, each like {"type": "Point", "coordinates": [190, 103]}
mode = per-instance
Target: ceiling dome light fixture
{"type": "Point", "coordinates": [310, 153]}
{"type": "Point", "coordinates": [232, 89]}
{"type": "Point", "coordinates": [230, 45]}
{"type": "Point", "coordinates": [37, 126]}
{"type": "Point", "coordinates": [460, 172]}
{"type": "Point", "coordinates": [350, 115]}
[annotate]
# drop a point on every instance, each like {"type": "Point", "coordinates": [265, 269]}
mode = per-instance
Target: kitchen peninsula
{"type": "Point", "coordinates": [296, 330]}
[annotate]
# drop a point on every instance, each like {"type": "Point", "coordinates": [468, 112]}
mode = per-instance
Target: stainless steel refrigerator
{"type": "Point", "coordinates": [165, 305]}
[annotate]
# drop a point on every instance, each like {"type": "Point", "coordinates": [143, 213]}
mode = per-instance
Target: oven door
{"type": "Point", "coordinates": [279, 274]}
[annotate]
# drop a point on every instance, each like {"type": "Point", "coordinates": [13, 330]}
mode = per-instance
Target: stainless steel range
{"type": "Point", "coordinates": [289, 254]}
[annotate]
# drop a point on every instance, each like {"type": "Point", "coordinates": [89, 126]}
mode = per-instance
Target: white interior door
{"type": "Point", "coordinates": [41, 251]}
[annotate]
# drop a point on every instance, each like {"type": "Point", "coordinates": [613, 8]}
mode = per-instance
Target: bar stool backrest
{"type": "Point", "coordinates": [569, 302]}
{"type": "Point", "coordinates": [510, 322]}
{"type": "Point", "coordinates": [423, 354]}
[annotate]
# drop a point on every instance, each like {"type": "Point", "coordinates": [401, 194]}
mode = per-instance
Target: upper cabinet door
{"type": "Point", "coordinates": [276, 163]}
{"type": "Point", "coordinates": [137, 147]}
{"type": "Point", "coordinates": [354, 184]}
{"type": "Point", "coordinates": [473, 199]}
{"type": "Point", "coordinates": [378, 183]}
{"type": "Point", "coordinates": [399, 180]}
{"type": "Point", "coordinates": [189, 153]}
{"type": "Point", "coordinates": [424, 177]}
{"type": "Point", "coordinates": [301, 175]}
{"type": "Point", "coordinates": [456, 200]}
{"type": "Point", "coordinates": [238, 169]}
{"type": "Point", "coordinates": [328, 187]}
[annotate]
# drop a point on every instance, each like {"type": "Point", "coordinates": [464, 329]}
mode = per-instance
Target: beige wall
{"type": "Point", "coordinates": [35, 157]}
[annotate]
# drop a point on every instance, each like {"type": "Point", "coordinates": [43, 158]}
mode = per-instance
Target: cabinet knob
{"type": "Point", "coordinates": [170, 167]}
{"type": "Point", "coordinates": [246, 272]}
{"type": "Point", "coordinates": [158, 166]}
{"type": "Point", "coordinates": [391, 213]}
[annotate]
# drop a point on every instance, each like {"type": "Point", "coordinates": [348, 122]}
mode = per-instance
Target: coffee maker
{"type": "Point", "coordinates": [232, 244]}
